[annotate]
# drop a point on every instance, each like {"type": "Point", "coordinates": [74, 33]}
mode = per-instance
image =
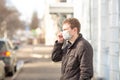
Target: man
{"type": "Point", "coordinates": [74, 51]}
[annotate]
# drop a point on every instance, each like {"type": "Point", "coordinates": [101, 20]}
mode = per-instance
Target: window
{"type": "Point", "coordinates": [62, 0]}
{"type": "Point", "coordinates": [2, 46]}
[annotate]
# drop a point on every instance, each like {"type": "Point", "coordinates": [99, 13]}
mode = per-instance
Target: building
{"type": "Point", "coordinates": [56, 12]}
{"type": "Point", "coordinates": [100, 21]}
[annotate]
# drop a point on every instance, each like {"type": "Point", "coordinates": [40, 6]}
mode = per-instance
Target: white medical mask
{"type": "Point", "coordinates": [66, 35]}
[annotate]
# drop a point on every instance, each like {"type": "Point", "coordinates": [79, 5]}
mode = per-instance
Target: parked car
{"type": "Point", "coordinates": [8, 55]}
{"type": "Point", "coordinates": [2, 70]}
{"type": "Point", "coordinates": [16, 42]}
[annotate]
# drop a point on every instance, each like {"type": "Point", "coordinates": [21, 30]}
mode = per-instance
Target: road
{"type": "Point", "coordinates": [36, 64]}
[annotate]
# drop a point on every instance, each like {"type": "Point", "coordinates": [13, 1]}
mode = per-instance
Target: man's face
{"type": "Point", "coordinates": [66, 27]}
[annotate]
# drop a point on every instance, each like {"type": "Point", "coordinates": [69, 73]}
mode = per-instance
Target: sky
{"type": "Point", "coordinates": [27, 7]}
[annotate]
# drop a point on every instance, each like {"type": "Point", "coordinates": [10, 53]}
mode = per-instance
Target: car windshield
{"type": "Point", "coordinates": [2, 46]}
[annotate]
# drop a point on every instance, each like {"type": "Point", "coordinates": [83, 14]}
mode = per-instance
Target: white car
{"type": "Point", "coordinates": [8, 56]}
{"type": "Point", "coordinates": [2, 70]}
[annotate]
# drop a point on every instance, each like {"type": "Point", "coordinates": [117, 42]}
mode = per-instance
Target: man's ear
{"type": "Point", "coordinates": [75, 29]}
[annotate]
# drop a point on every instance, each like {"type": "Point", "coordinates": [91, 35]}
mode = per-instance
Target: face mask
{"type": "Point", "coordinates": [66, 35]}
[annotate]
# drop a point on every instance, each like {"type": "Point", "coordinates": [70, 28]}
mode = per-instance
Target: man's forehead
{"type": "Point", "coordinates": [65, 26]}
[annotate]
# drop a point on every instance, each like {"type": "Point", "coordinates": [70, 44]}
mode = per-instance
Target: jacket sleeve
{"type": "Point", "coordinates": [86, 64]}
{"type": "Point", "coordinates": [57, 52]}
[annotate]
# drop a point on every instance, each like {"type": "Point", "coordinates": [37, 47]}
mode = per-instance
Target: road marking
{"type": "Point", "coordinates": [46, 56]}
{"type": "Point", "coordinates": [40, 56]}
{"type": "Point", "coordinates": [37, 55]}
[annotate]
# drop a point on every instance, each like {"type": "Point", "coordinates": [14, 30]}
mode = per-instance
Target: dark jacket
{"type": "Point", "coordinates": [77, 59]}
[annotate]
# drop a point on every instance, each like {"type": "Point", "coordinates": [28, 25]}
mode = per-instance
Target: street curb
{"type": "Point", "coordinates": [19, 69]}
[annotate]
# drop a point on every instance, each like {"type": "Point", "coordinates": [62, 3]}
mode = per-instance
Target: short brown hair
{"type": "Point", "coordinates": [73, 22]}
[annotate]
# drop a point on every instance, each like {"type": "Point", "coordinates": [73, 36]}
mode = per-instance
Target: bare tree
{"type": "Point", "coordinates": [35, 21]}
{"type": "Point", "coordinates": [9, 20]}
{"type": "Point", "coordinates": [13, 24]}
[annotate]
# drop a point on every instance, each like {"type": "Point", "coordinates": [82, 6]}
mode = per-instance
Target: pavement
{"type": "Point", "coordinates": [37, 64]}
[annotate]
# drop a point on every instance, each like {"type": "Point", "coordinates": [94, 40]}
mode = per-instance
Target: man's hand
{"type": "Point", "coordinates": [60, 37]}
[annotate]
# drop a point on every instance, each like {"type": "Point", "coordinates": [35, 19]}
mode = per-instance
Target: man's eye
{"type": "Point", "coordinates": [65, 30]}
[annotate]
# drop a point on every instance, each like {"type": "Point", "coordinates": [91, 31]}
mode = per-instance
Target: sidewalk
{"type": "Point", "coordinates": [38, 64]}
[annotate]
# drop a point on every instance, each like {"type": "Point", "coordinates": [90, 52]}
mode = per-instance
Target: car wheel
{"type": "Point", "coordinates": [12, 72]}
{"type": "Point", "coordinates": [15, 68]}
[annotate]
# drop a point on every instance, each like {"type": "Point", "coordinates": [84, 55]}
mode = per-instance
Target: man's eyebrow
{"type": "Point", "coordinates": [65, 29]}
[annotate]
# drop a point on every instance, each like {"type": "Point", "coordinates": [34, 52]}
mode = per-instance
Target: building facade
{"type": "Point", "coordinates": [100, 20]}
{"type": "Point", "coordinates": [101, 24]}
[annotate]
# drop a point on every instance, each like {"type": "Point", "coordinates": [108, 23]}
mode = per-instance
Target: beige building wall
{"type": "Point", "coordinates": [100, 24]}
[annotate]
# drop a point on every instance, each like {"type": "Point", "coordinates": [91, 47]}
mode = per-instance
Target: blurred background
{"type": "Point", "coordinates": [33, 22]}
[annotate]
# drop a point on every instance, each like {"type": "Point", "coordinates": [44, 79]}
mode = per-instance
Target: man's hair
{"type": "Point", "coordinates": [74, 23]}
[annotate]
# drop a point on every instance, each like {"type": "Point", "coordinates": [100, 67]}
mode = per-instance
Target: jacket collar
{"type": "Point", "coordinates": [75, 42]}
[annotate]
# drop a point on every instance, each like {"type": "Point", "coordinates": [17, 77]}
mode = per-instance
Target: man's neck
{"type": "Point", "coordinates": [74, 38]}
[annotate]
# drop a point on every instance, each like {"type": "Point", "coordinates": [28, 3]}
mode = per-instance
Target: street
{"type": "Point", "coordinates": [35, 64]}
